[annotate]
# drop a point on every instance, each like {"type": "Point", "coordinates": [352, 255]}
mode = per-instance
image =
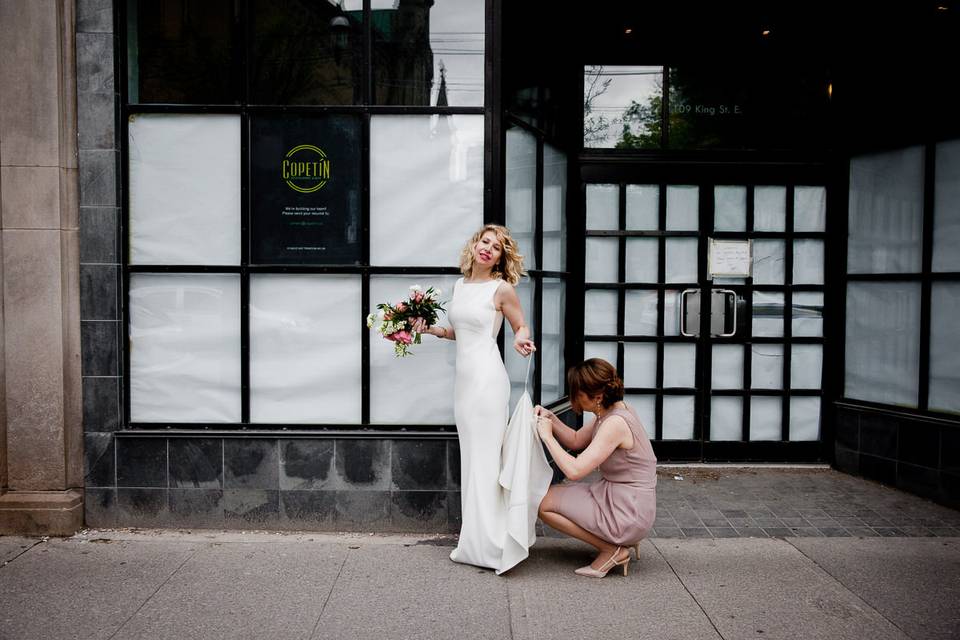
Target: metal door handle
{"type": "Point", "coordinates": [690, 311]}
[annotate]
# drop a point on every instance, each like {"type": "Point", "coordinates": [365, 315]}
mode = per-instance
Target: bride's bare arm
{"type": "Point", "coordinates": [508, 303]}
{"type": "Point", "coordinates": [441, 332]}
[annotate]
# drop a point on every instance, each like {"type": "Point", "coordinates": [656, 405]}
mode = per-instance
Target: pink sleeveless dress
{"type": "Point", "coordinates": [622, 505]}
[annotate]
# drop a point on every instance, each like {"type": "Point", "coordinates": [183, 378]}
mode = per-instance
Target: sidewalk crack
{"type": "Point", "coordinates": [155, 592]}
{"type": "Point", "coordinates": [692, 597]}
{"type": "Point", "coordinates": [323, 608]}
{"type": "Point", "coordinates": [38, 542]}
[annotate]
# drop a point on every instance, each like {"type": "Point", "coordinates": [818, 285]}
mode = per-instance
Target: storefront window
{"type": "Point", "coordinates": [622, 106]}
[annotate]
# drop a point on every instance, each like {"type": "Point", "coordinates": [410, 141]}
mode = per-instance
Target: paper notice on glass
{"type": "Point", "coordinates": [731, 258]}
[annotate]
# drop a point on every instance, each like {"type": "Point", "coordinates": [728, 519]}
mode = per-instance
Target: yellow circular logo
{"type": "Point", "coordinates": [305, 168]}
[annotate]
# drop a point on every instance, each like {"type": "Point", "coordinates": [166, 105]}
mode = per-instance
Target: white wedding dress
{"type": "Point", "coordinates": [503, 473]}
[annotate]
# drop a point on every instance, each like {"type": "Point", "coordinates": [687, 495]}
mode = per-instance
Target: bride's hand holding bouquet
{"type": "Point", "coordinates": [403, 323]}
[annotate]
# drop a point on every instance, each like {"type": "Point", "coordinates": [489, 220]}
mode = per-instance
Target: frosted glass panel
{"type": "Point", "coordinates": [683, 208]}
{"type": "Point", "coordinates": [643, 207]}
{"type": "Point", "coordinates": [424, 168]}
{"type": "Point", "coordinates": [640, 364]}
{"type": "Point", "coordinates": [600, 312]}
{"type": "Point", "coordinates": [554, 209]}
{"type": "Point", "coordinates": [727, 365]}
{"type": "Point", "coordinates": [305, 343]}
{"type": "Point", "coordinates": [184, 189]}
{"type": "Point", "coordinates": [517, 364]}
{"type": "Point", "coordinates": [806, 366]}
{"type": "Point", "coordinates": [603, 207]}
{"type": "Point", "coordinates": [393, 399]}
{"type": "Point", "coordinates": [603, 350]}
{"type": "Point", "coordinates": [886, 212]}
{"type": "Point", "coordinates": [809, 209]}
{"type": "Point", "coordinates": [730, 208]}
{"type": "Point", "coordinates": [645, 407]}
{"type": "Point", "coordinates": [671, 313]}
{"type": "Point", "coordinates": [768, 257]}
{"type": "Point", "coordinates": [642, 259]}
{"type": "Point", "coordinates": [767, 314]}
{"type": "Point", "coordinates": [944, 355]}
{"type": "Point", "coordinates": [678, 417]}
{"type": "Point", "coordinates": [808, 262]}
{"type": "Point", "coordinates": [883, 342]}
{"type": "Point", "coordinates": [767, 366]}
{"type": "Point", "coordinates": [808, 313]}
{"type": "Point", "coordinates": [184, 347]}
{"type": "Point", "coordinates": [726, 419]}
{"type": "Point", "coordinates": [946, 207]}
{"type": "Point", "coordinates": [551, 345]}
{"type": "Point", "coordinates": [766, 416]}
{"type": "Point", "coordinates": [640, 314]}
{"type": "Point", "coordinates": [521, 202]}
{"type": "Point", "coordinates": [682, 259]}
{"type": "Point", "coordinates": [804, 419]}
{"type": "Point", "coordinates": [769, 208]}
{"type": "Point", "coordinates": [679, 365]}
{"type": "Point", "coordinates": [602, 261]}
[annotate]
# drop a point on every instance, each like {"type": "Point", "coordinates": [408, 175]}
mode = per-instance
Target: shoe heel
{"type": "Point", "coordinates": [626, 565]}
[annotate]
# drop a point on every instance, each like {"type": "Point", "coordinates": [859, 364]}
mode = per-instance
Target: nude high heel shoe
{"type": "Point", "coordinates": [605, 568]}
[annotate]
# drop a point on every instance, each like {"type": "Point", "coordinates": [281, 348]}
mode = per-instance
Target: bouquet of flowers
{"type": "Point", "coordinates": [395, 321]}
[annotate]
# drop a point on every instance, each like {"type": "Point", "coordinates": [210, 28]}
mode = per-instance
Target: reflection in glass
{"type": "Point", "coordinates": [683, 208]}
{"type": "Point", "coordinates": [600, 312]}
{"type": "Point", "coordinates": [521, 203]}
{"type": "Point", "coordinates": [944, 337]}
{"type": "Point", "coordinates": [808, 262]}
{"type": "Point", "coordinates": [424, 166]}
{"type": "Point", "coordinates": [679, 365]}
{"type": "Point", "coordinates": [551, 346]}
{"type": "Point", "coordinates": [768, 259]}
{"type": "Point", "coordinates": [767, 314]}
{"type": "Point", "coordinates": [621, 107]}
{"type": "Point", "coordinates": [184, 347]}
{"type": "Point", "coordinates": [305, 348]}
{"type": "Point", "coordinates": [808, 313]}
{"type": "Point", "coordinates": [645, 406]}
{"type": "Point", "coordinates": [515, 363]}
{"type": "Point", "coordinates": [886, 212]}
{"type": "Point", "coordinates": [726, 418]}
{"type": "Point", "coordinates": [766, 417]}
{"type": "Point", "coordinates": [804, 419]}
{"type": "Point", "coordinates": [809, 208]}
{"type": "Point", "coordinates": [678, 417]}
{"type": "Point", "coordinates": [640, 364]}
{"type": "Point", "coordinates": [766, 369]}
{"type": "Point", "coordinates": [181, 52]}
{"type": "Point", "coordinates": [769, 208]}
{"type": "Point", "coordinates": [603, 207]}
{"type": "Point", "coordinates": [682, 260]}
{"type": "Point", "coordinates": [393, 400]}
{"type": "Point", "coordinates": [306, 52]}
{"type": "Point", "coordinates": [727, 365]}
{"type": "Point", "coordinates": [946, 207]}
{"type": "Point", "coordinates": [671, 312]}
{"type": "Point", "coordinates": [643, 207]}
{"type": "Point", "coordinates": [602, 260]}
{"type": "Point", "coordinates": [554, 209]}
{"type": "Point", "coordinates": [427, 53]}
{"type": "Point", "coordinates": [642, 259]}
{"type": "Point", "coordinates": [184, 189]}
{"type": "Point", "coordinates": [730, 208]}
{"type": "Point", "coordinates": [640, 313]}
{"type": "Point", "coordinates": [806, 366]}
{"type": "Point", "coordinates": [883, 342]}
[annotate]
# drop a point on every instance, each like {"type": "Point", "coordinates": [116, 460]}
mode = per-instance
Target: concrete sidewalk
{"type": "Point", "coordinates": [211, 584]}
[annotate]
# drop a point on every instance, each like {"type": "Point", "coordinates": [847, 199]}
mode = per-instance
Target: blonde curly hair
{"type": "Point", "coordinates": [510, 265]}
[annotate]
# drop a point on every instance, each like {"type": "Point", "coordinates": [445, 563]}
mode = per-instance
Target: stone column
{"type": "Point", "coordinates": [41, 438]}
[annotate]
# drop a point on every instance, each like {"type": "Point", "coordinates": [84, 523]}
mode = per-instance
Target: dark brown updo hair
{"type": "Point", "coordinates": [591, 377]}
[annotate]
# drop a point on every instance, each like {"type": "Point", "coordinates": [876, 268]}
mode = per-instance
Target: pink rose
{"type": "Point", "coordinates": [404, 337]}
{"type": "Point", "coordinates": [401, 307]}
{"type": "Point", "coordinates": [418, 296]}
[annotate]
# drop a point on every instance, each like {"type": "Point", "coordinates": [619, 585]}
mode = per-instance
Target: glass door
{"type": "Point", "coordinates": [709, 300]}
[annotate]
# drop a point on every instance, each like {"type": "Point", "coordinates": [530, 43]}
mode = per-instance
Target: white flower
{"type": "Point", "coordinates": [380, 314]}
{"type": "Point", "coordinates": [371, 318]}
{"type": "Point", "coordinates": [438, 292]}
{"type": "Point", "coordinates": [416, 287]}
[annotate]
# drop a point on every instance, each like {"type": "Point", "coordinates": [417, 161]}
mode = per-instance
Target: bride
{"type": "Point", "coordinates": [492, 266]}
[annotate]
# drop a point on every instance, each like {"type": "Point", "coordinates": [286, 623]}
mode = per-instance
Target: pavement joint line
{"type": "Point", "coordinates": [157, 590]}
{"type": "Point", "coordinates": [509, 610]}
{"type": "Point", "coordinates": [313, 632]}
{"type": "Point", "coordinates": [846, 588]}
{"type": "Point", "coordinates": [683, 584]}
{"type": "Point", "coordinates": [36, 542]}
